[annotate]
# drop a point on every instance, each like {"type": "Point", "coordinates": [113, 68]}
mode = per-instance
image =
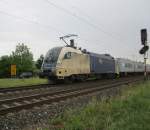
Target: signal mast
{"type": "Point", "coordinates": [144, 49]}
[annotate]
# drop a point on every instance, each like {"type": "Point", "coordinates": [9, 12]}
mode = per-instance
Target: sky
{"type": "Point", "coordinates": [102, 26]}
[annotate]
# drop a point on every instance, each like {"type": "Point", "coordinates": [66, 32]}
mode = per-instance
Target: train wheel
{"type": "Point", "coordinates": [111, 76]}
{"type": "Point", "coordinates": [98, 77]}
{"type": "Point", "coordinates": [68, 80]}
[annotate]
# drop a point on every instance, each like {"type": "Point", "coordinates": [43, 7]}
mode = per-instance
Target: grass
{"type": "Point", "coordinates": [129, 111]}
{"type": "Point", "coordinates": [21, 82]}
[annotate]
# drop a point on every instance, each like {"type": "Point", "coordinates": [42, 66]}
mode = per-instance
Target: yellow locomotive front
{"type": "Point", "coordinates": [65, 62]}
{"type": "Point", "coordinates": [50, 62]}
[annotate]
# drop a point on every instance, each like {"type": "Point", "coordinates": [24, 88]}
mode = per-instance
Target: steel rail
{"type": "Point", "coordinates": [60, 96]}
{"type": "Point", "coordinates": [21, 88]}
{"type": "Point", "coordinates": [35, 96]}
{"type": "Point", "coordinates": [32, 87]}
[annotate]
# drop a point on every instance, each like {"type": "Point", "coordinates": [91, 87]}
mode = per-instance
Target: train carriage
{"type": "Point", "coordinates": [125, 66]}
{"type": "Point", "coordinates": [139, 67]}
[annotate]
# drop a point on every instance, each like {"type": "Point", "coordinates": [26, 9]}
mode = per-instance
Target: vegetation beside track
{"type": "Point", "coordinates": [21, 82]}
{"type": "Point", "coordinates": [129, 111]}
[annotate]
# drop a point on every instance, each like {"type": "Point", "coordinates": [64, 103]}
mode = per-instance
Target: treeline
{"type": "Point", "coordinates": [22, 57]}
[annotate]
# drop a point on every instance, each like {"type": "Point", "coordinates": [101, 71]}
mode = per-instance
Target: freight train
{"type": "Point", "coordinates": [70, 63]}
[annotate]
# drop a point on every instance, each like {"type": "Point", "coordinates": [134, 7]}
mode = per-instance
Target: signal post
{"type": "Point", "coordinates": [144, 49]}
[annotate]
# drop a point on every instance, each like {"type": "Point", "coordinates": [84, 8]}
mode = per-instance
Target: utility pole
{"type": "Point", "coordinates": [144, 49]}
{"type": "Point", "coordinates": [145, 68]}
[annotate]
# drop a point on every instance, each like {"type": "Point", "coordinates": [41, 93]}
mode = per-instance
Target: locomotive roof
{"type": "Point", "coordinates": [105, 56]}
{"type": "Point", "coordinates": [128, 60]}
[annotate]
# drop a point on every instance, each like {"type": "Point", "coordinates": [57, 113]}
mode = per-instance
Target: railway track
{"type": "Point", "coordinates": [44, 88]}
{"type": "Point", "coordinates": [32, 87]}
{"type": "Point", "coordinates": [6, 93]}
{"type": "Point", "coordinates": [28, 102]}
{"type": "Point", "coordinates": [47, 88]}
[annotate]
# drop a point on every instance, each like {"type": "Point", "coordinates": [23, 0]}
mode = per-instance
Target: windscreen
{"type": "Point", "coordinates": [52, 55]}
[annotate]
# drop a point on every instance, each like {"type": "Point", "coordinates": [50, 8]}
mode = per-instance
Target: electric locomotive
{"type": "Point", "coordinates": [65, 63]}
{"type": "Point", "coordinates": [70, 63]}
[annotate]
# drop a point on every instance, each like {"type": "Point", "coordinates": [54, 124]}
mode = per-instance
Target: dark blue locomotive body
{"type": "Point", "coordinates": [102, 63]}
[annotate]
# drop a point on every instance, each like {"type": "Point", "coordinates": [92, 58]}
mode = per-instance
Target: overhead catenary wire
{"type": "Point", "coordinates": [33, 22]}
{"type": "Point", "coordinates": [60, 32]}
{"type": "Point", "coordinates": [68, 12]}
{"type": "Point", "coordinates": [83, 13]}
{"type": "Point", "coordinates": [82, 19]}
{"type": "Point", "coordinates": [97, 27]}
{"type": "Point", "coordinates": [41, 24]}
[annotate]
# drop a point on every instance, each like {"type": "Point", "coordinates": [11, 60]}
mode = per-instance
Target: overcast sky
{"type": "Point", "coordinates": [102, 26]}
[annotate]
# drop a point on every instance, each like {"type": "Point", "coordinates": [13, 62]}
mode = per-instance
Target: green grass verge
{"type": "Point", "coordinates": [130, 111]}
{"type": "Point", "coordinates": [21, 82]}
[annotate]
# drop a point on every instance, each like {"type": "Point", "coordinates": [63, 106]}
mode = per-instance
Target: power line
{"type": "Point", "coordinates": [53, 28]}
{"type": "Point", "coordinates": [35, 22]}
{"type": "Point", "coordinates": [78, 17]}
{"type": "Point", "coordinates": [81, 19]}
{"type": "Point", "coordinates": [38, 23]}
{"type": "Point", "coordinates": [31, 21]}
{"type": "Point", "coordinates": [66, 11]}
{"type": "Point", "coordinates": [48, 26]}
{"type": "Point", "coordinates": [91, 19]}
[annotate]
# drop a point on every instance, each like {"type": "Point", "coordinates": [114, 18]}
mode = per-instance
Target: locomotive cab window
{"type": "Point", "coordinates": [52, 55]}
{"type": "Point", "coordinates": [67, 55]}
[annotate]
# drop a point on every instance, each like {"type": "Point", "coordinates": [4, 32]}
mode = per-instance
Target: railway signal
{"type": "Point", "coordinates": [143, 36]}
{"type": "Point", "coordinates": [144, 49]}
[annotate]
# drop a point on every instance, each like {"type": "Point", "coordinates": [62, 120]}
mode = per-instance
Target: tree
{"type": "Point", "coordinates": [5, 63]}
{"type": "Point", "coordinates": [39, 62]}
{"type": "Point", "coordinates": [23, 59]}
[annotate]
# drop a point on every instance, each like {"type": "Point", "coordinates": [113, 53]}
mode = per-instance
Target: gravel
{"type": "Point", "coordinates": [39, 117]}
{"type": "Point", "coordinates": [10, 95]}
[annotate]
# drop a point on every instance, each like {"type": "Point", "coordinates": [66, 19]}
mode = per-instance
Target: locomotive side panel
{"type": "Point", "coordinates": [76, 64]}
{"type": "Point", "coordinates": [101, 64]}
{"type": "Point", "coordinates": [73, 63]}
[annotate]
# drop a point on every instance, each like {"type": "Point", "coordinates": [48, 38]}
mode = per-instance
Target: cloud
{"type": "Point", "coordinates": [117, 25]}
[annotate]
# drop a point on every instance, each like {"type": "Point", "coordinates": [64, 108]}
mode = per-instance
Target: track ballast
{"type": "Point", "coordinates": [28, 102]}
